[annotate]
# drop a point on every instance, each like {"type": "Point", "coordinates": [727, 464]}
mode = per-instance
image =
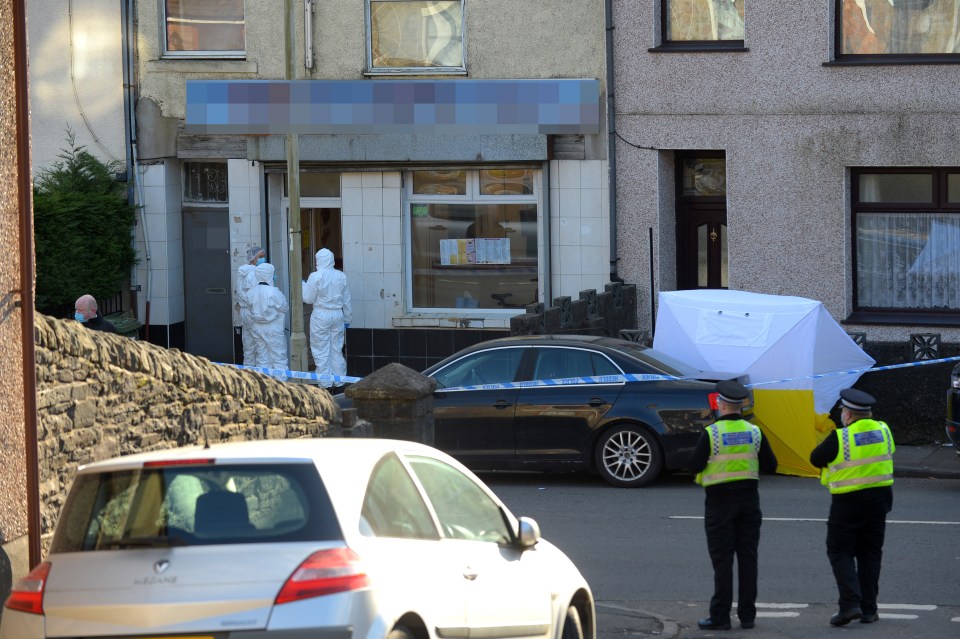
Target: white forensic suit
{"type": "Point", "coordinates": [268, 308]}
{"type": "Point", "coordinates": [326, 289]}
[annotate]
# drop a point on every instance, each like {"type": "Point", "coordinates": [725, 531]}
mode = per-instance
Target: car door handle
{"type": "Point", "coordinates": [502, 403]}
{"type": "Point", "coordinates": [597, 401]}
{"type": "Point", "coordinates": [469, 573]}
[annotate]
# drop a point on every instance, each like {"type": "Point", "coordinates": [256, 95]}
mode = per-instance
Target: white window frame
{"type": "Point", "coordinates": [226, 54]}
{"type": "Point", "coordinates": [461, 69]}
{"type": "Point", "coordinates": [472, 196]}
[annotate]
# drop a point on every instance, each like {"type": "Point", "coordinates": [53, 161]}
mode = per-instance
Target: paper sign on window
{"type": "Point", "coordinates": [485, 250]}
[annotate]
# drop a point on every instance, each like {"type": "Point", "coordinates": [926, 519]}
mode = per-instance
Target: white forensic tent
{"type": "Point", "coordinates": [784, 343]}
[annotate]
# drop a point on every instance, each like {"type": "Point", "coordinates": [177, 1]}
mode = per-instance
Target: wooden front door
{"type": "Point", "coordinates": [701, 222]}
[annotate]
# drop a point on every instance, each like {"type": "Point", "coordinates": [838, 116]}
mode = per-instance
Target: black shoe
{"type": "Point", "coordinates": [747, 625]}
{"type": "Point", "coordinates": [710, 624]}
{"type": "Point", "coordinates": [869, 617]}
{"type": "Point", "coordinates": [842, 618]}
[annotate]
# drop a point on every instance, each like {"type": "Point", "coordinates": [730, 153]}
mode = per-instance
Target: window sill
{"type": "Point", "coordinates": [417, 72]}
{"type": "Point", "coordinates": [891, 60]}
{"type": "Point", "coordinates": [699, 47]}
{"type": "Point", "coordinates": [192, 65]}
{"type": "Point", "coordinates": [879, 318]}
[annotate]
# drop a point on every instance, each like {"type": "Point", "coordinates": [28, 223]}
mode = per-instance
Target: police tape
{"type": "Point", "coordinates": [340, 380]}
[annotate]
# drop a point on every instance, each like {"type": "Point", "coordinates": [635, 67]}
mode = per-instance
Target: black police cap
{"type": "Point", "coordinates": [855, 399]}
{"type": "Point", "coordinates": [732, 392]}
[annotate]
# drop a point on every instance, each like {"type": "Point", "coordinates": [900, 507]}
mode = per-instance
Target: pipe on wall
{"type": "Point", "coordinates": [611, 144]}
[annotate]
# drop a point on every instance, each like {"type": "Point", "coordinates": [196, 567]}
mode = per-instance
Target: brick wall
{"type": "Point", "coordinates": [100, 395]}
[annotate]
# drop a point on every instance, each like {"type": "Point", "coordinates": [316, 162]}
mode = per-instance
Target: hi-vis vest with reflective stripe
{"type": "Point", "coordinates": [734, 445]}
{"type": "Point", "coordinates": [865, 458]}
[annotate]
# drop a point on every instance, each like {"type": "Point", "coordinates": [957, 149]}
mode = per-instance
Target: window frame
{"type": "Point", "coordinates": [665, 45]}
{"type": "Point", "coordinates": [939, 204]}
{"type": "Point", "coordinates": [472, 196]}
{"type": "Point", "coordinates": [168, 54]}
{"type": "Point", "coordinates": [849, 59]}
{"type": "Point", "coordinates": [448, 70]}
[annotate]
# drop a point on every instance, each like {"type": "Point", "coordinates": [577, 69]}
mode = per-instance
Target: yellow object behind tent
{"type": "Point", "coordinates": [792, 427]}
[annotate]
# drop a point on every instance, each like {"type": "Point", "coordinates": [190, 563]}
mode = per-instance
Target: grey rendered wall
{"type": "Point", "coordinates": [791, 128]}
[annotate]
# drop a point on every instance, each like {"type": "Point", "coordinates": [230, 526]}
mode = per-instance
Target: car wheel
{"type": "Point", "coordinates": [400, 632]}
{"type": "Point", "coordinates": [628, 456]}
{"type": "Point", "coordinates": [572, 628]}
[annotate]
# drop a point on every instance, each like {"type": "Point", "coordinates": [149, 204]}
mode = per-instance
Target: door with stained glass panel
{"type": "Point", "coordinates": [702, 258]}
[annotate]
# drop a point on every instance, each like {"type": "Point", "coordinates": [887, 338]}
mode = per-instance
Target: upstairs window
{"type": "Point", "coordinates": [204, 28]}
{"type": "Point", "coordinates": [702, 24]}
{"type": "Point", "coordinates": [415, 36]}
{"type": "Point", "coordinates": [888, 30]}
{"type": "Point", "coordinates": [906, 239]}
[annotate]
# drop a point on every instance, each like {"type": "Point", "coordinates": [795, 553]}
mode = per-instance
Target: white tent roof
{"type": "Point", "coordinates": [770, 337]}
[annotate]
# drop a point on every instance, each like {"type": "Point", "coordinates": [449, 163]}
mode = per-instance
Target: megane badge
{"type": "Point", "coordinates": [161, 565]}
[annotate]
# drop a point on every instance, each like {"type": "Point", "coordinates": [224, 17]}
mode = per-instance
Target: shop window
{"type": "Point", "coordinates": [474, 237]}
{"type": "Point", "coordinates": [706, 24]}
{"type": "Point", "coordinates": [415, 36]}
{"type": "Point", "coordinates": [211, 28]}
{"type": "Point", "coordinates": [205, 182]}
{"type": "Point", "coordinates": [906, 239]}
{"type": "Point", "coordinates": [884, 31]}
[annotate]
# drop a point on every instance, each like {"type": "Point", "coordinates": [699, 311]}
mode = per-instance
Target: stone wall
{"type": "Point", "coordinates": [100, 395]}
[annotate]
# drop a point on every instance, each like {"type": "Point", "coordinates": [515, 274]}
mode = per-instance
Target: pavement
{"type": "Point", "coordinates": [618, 618]}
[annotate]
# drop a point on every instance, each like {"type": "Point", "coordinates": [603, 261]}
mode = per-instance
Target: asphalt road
{"type": "Point", "coordinates": [644, 553]}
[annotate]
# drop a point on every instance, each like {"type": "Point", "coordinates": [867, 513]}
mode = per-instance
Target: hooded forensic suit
{"type": "Point", "coordinates": [246, 280]}
{"type": "Point", "coordinates": [326, 289]}
{"type": "Point", "coordinates": [268, 307]}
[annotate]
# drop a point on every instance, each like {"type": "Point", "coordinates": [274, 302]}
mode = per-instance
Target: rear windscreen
{"type": "Point", "coordinates": [196, 505]}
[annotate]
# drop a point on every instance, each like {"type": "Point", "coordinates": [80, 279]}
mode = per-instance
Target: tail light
{"type": "Point", "coordinates": [323, 573]}
{"type": "Point", "coordinates": [27, 594]}
{"type": "Point", "coordinates": [713, 400]}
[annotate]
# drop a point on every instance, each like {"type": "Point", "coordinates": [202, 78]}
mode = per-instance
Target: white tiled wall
{"type": "Point", "coordinates": [159, 244]}
{"type": "Point", "coordinates": [579, 226]}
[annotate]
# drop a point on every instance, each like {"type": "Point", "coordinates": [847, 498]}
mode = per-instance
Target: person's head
{"type": "Point", "coordinates": [855, 405]}
{"type": "Point", "coordinates": [256, 255]}
{"type": "Point", "coordinates": [264, 273]}
{"type": "Point", "coordinates": [324, 259]}
{"type": "Point", "coordinates": [731, 396]}
{"type": "Point", "coordinates": [84, 308]}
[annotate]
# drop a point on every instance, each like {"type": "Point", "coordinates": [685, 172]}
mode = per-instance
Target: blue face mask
{"type": "Point", "coordinates": [261, 260]}
{"type": "Point", "coordinates": [77, 315]}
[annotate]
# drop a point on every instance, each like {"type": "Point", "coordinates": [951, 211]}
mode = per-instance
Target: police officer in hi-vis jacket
{"type": "Point", "coordinates": [728, 458]}
{"type": "Point", "coordinates": [857, 465]}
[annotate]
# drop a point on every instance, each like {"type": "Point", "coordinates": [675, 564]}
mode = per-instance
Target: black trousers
{"type": "Point", "coordinates": [732, 522]}
{"type": "Point", "coordinates": [855, 532]}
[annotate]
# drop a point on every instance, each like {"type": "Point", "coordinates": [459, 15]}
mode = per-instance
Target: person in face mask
{"type": "Point", "coordinates": [326, 289]}
{"type": "Point", "coordinates": [246, 280]}
{"type": "Point", "coordinates": [85, 311]}
{"type": "Point", "coordinates": [268, 308]}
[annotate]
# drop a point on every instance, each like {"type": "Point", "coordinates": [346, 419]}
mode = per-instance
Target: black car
{"type": "Point", "coordinates": [626, 431]}
{"type": "Point", "coordinates": [953, 409]}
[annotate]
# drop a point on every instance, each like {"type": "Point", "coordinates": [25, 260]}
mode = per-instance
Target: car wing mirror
{"type": "Point", "coordinates": [528, 533]}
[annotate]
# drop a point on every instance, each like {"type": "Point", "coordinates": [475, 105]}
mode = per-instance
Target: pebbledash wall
{"type": "Point", "coordinates": [101, 395]}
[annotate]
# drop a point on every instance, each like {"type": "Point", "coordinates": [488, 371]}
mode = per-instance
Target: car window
{"type": "Point", "coordinates": [392, 505]}
{"type": "Point", "coordinates": [196, 505]}
{"type": "Point", "coordinates": [554, 363]}
{"type": "Point", "coordinates": [464, 510]}
{"type": "Point", "coordinates": [655, 361]}
{"type": "Point", "coordinates": [493, 366]}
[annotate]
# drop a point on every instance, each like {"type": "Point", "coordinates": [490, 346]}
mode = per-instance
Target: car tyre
{"type": "Point", "coordinates": [572, 628]}
{"type": "Point", "coordinates": [401, 632]}
{"type": "Point", "coordinates": [628, 456]}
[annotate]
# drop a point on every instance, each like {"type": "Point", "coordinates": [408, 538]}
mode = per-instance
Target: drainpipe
{"type": "Point", "coordinates": [611, 145]}
{"type": "Point", "coordinates": [26, 301]}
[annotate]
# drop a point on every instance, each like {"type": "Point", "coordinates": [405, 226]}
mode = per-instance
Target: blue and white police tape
{"type": "Point", "coordinates": [338, 380]}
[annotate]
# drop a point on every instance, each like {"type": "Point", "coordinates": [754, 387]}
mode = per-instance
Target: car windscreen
{"type": "Point", "coordinates": [195, 505]}
{"type": "Point", "coordinates": [664, 363]}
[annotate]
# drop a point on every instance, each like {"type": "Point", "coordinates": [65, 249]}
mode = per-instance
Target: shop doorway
{"type": "Point", "coordinates": [206, 285]}
{"type": "Point", "coordinates": [702, 256]}
{"type": "Point", "coordinates": [320, 227]}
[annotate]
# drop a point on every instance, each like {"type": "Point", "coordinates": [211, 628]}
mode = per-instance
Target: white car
{"type": "Point", "coordinates": [296, 539]}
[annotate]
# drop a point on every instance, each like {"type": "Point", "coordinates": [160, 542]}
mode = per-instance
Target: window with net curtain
{"type": "Point", "coordinates": [415, 35]}
{"type": "Point", "coordinates": [702, 20]}
{"type": "Point", "coordinates": [473, 238]}
{"type": "Point", "coordinates": [907, 239]}
{"type": "Point", "coordinates": [204, 26]}
{"type": "Point", "coordinates": [898, 28]}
